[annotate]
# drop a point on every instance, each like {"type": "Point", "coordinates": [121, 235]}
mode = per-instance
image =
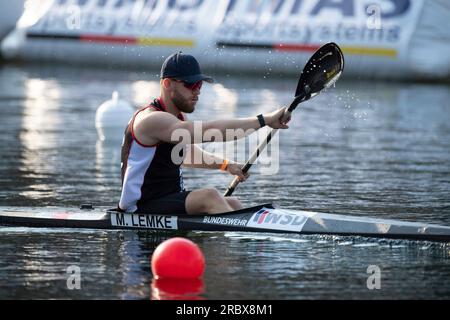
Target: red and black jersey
{"type": "Point", "coordinates": [148, 172]}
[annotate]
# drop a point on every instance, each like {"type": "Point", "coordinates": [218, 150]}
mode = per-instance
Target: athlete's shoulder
{"type": "Point", "coordinates": [153, 121]}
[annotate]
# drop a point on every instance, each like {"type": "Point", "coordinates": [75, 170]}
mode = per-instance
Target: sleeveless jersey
{"type": "Point", "coordinates": [148, 172]}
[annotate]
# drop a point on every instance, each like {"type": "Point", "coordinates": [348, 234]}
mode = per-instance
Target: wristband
{"type": "Point", "coordinates": [224, 165]}
{"type": "Point", "coordinates": [261, 120]}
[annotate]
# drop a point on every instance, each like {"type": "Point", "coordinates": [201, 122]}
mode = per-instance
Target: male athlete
{"type": "Point", "coordinates": [152, 181]}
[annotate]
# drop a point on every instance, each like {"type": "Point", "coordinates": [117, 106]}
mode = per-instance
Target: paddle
{"type": "Point", "coordinates": [321, 71]}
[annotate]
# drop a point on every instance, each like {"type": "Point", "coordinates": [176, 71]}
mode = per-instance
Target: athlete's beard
{"type": "Point", "coordinates": [181, 103]}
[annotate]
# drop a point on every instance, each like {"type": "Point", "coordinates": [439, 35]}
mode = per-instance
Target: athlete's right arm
{"type": "Point", "coordinates": [163, 126]}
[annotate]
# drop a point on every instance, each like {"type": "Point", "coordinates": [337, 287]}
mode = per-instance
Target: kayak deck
{"type": "Point", "coordinates": [263, 218]}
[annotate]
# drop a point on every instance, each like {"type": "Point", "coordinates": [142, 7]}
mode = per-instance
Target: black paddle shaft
{"type": "Point", "coordinates": [286, 115]}
{"type": "Point", "coordinates": [261, 146]}
{"type": "Point", "coordinates": [321, 71]}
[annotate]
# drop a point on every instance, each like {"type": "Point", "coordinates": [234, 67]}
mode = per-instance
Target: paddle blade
{"type": "Point", "coordinates": [321, 71]}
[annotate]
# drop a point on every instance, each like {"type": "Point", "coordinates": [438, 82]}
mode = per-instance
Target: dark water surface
{"type": "Point", "coordinates": [368, 149]}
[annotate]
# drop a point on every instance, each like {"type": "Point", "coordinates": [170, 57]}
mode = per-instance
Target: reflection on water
{"type": "Point", "coordinates": [177, 289]}
{"type": "Point", "coordinates": [107, 162]}
{"type": "Point", "coordinates": [378, 149]}
{"type": "Point", "coordinates": [41, 120]}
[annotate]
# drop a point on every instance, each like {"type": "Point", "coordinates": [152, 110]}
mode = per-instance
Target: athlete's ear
{"type": "Point", "coordinates": [166, 83]}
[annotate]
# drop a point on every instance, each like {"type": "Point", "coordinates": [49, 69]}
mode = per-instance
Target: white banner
{"type": "Point", "coordinates": [376, 36]}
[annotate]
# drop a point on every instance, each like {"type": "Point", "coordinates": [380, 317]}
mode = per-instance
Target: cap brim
{"type": "Point", "coordinates": [196, 78]}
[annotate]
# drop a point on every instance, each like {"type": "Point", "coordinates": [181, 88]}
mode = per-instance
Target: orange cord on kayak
{"type": "Point", "coordinates": [224, 165]}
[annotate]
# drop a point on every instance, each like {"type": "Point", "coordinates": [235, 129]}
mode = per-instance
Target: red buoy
{"type": "Point", "coordinates": [178, 258]}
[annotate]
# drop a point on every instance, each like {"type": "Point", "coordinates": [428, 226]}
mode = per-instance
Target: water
{"type": "Point", "coordinates": [369, 149]}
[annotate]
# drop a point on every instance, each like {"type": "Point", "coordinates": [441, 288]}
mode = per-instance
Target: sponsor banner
{"type": "Point", "coordinates": [361, 27]}
{"type": "Point", "coordinates": [144, 221]}
{"type": "Point", "coordinates": [277, 219]}
{"type": "Point", "coordinates": [135, 22]}
{"type": "Point", "coordinates": [379, 38]}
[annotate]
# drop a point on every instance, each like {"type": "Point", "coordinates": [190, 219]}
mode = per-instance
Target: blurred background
{"type": "Point", "coordinates": [386, 39]}
{"type": "Point", "coordinates": [377, 144]}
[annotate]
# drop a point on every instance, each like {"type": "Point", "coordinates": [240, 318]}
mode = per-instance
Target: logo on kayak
{"type": "Point", "coordinates": [144, 221]}
{"type": "Point", "coordinates": [225, 221]}
{"type": "Point", "coordinates": [276, 219]}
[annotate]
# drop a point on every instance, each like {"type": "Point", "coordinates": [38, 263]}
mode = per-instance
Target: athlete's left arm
{"type": "Point", "coordinates": [196, 157]}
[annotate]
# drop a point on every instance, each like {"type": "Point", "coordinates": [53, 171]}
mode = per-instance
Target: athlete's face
{"type": "Point", "coordinates": [185, 96]}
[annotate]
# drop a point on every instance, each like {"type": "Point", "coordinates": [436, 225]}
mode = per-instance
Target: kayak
{"type": "Point", "coordinates": [262, 218]}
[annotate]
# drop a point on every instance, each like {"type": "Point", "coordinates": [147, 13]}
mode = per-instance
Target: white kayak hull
{"type": "Point", "coordinates": [263, 218]}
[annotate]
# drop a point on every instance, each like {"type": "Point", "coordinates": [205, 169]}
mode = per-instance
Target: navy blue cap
{"type": "Point", "coordinates": [183, 67]}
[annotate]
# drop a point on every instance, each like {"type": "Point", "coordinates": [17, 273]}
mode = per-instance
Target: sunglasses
{"type": "Point", "coordinates": [191, 86]}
